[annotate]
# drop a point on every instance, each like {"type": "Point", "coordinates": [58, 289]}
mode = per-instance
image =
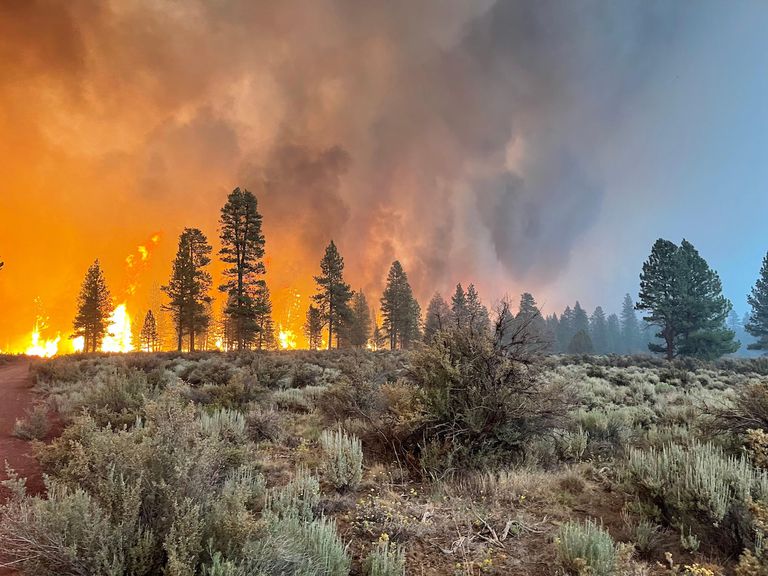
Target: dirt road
{"type": "Point", "coordinates": [16, 397]}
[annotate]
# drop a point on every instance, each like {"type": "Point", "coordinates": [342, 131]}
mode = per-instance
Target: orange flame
{"type": "Point", "coordinates": [287, 339]}
{"type": "Point", "coordinates": [44, 348]}
{"type": "Point", "coordinates": [119, 337]}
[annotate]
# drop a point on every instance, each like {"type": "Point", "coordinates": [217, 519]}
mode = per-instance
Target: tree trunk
{"type": "Point", "coordinates": [330, 323]}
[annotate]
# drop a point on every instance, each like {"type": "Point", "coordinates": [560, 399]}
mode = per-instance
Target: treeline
{"type": "Point", "coordinates": [685, 313]}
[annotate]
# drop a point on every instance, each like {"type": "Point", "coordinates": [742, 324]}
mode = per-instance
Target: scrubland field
{"type": "Point", "coordinates": [453, 459]}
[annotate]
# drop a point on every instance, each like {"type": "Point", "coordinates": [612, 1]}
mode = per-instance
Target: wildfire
{"type": "Point", "coordinates": [137, 261]}
{"type": "Point", "coordinates": [78, 344]}
{"type": "Point", "coordinates": [287, 339]}
{"type": "Point", "coordinates": [44, 348]}
{"type": "Point", "coordinates": [119, 337]}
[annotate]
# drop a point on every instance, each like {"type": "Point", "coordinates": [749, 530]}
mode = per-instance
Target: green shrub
{"type": "Point", "coordinates": [586, 549]}
{"type": "Point", "coordinates": [385, 560]}
{"type": "Point", "coordinates": [223, 423]}
{"type": "Point", "coordinates": [299, 548]}
{"type": "Point", "coordinates": [298, 498]}
{"type": "Point", "coordinates": [343, 459]}
{"type": "Point", "coordinates": [701, 487]}
{"type": "Point", "coordinates": [34, 425]}
{"type": "Point", "coordinates": [69, 533]}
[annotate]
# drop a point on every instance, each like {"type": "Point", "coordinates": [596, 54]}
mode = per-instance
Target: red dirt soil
{"type": "Point", "coordinates": [16, 396]}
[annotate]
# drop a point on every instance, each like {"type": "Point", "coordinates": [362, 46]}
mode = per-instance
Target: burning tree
{"type": "Point", "coordinates": [242, 248]}
{"type": "Point", "coordinates": [94, 306]}
{"type": "Point", "coordinates": [189, 286]}
{"type": "Point", "coordinates": [333, 294]}
{"type": "Point", "coordinates": [149, 340]}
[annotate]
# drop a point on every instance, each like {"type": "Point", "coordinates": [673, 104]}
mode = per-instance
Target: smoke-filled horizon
{"type": "Point", "coordinates": [523, 146]}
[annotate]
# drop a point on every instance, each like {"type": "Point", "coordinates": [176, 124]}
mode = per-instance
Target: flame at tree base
{"type": "Point", "coordinates": [119, 337]}
{"type": "Point", "coordinates": [45, 348]}
{"type": "Point", "coordinates": [287, 339]}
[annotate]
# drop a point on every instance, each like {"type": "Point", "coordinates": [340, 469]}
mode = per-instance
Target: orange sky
{"type": "Point", "coordinates": [446, 134]}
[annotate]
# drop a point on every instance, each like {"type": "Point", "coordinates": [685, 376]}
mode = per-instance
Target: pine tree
{"type": "Point", "coordinates": [552, 330]}
{"type": "Point", "coordinates": [242, 249]}
{"type": "Point", "coordinates": [459, 308]}
{"type": "Point", "coordinates": [188, 287]}
{"type": "Point", "coordinates": [94, 306]}
{"type": "Point", "coordinates": [598, 330]}
{"type": "Point", "coordinates": [148, 338]}
{"type": "Point", "coordinates": [580, 320]}
{"type": "Point", "coordinates": [313, 328]}
{"type": "Point", "coordinates": [757, 325]}
{"type": "Point", "coordinates": [333, 294]}
{"type": "Point", "coordinates": [565, 330]}
{"type": "Point", "coordinates": [262, 316]}
{"type": "Point", "coordinates": [530, 322]}
{"type": "Point", "coordinates": [683, 297]}
{"type": "Point", "coordinates": [399, 309]}
{"type": "Point", "coordinates": [477, 315]}
{"type": "Point", "coordinates": [359, 331]}
{"type": "Point", "coordinates": [581, 343]}
{"type": "Point", "coordinates": [438, 317]}
{"type": "Point", "coordinates": [379, 338]}
{"type": "Point", "coordinates": [630, 328]}
{"type": "Point", "coordinates": [614, 335]}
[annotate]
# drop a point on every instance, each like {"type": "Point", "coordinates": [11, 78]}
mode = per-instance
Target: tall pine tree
{"type": "Point", "coordinates": [683, 298]}
{"type": "Point", "coordinates": [313, 328]}
{"type": "Point", "coordinates": [757, 324]}
{"type": "Point", "coordinates": [399, 310]}
{"type": "Point", "coordinates": [94, 305]}
{"type": "Point", "coordinates": [188, 287]}
{"type": "Point", "coordinates": [359, 330]}
{"type": "Point", "coordinates": [262, 309]}
{"type": "Point", "coordinates": [531, 323]}
{"type": "Point", "coordinates": [333, 294]}
{"type": "Point", "coordinates": [598, 330]}
{"type": "Point", "coordinates": [148, 338]}
{"type": "Point", "coordinates": [580, 320]}
{"type": "Point", "coordinates": [459, 308]}
{"type": "Point", "coordinates": [613, 332]}
{"type": "Point", "coordinates": [242, 250]}
{"type": "Point", "coordinates": [565, 330]}
{"type": "Point", "coordinates": [477, 314]}
{"type": "Point", "coordinates": [630, 328]}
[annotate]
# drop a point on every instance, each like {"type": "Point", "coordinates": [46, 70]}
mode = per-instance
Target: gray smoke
{"type": "Point", "coordinates": [453, 135]}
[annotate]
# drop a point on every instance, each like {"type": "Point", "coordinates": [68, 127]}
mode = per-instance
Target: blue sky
{"type": "Point", "coordinates": [690, 160]}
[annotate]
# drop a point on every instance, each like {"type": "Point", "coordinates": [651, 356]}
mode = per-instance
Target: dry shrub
{"type": "Point", "coordinates": [483, 398]}
{"type": "Point", "coordinates": [747, 410]}
{"type": "Point", "coordinates": [34, 425]}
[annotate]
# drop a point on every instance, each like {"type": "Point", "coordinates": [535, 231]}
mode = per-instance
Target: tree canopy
{"type": "Point", "coordinates": [757, 323]}
{"type": "Point", "coordinates": [683, 298]}
{"type": "Point", "coordinates": [94, 306]}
